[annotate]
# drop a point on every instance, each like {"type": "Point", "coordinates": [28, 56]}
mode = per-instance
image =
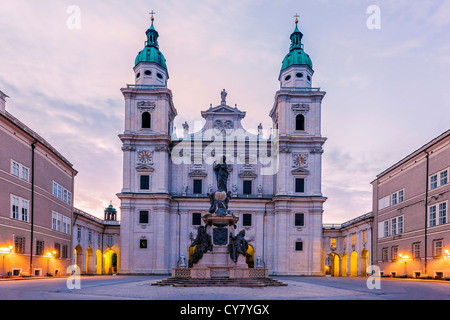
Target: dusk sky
{"type": "Point", "coordinates": [387, 89]}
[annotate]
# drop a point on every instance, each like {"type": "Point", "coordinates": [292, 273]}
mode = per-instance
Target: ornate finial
{"type": "Point", "coordinates": [296, 18]}
{"type": "Point", "coordinates": [152, 13]}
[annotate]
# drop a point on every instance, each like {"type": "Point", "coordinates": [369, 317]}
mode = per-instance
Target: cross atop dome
{"type": "Point", "coordinates": [152, 13]}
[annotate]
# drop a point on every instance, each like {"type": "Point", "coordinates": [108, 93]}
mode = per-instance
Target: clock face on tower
{"type": "Point", "coordinates": [300, 160]}
{"type": "Point", "coordinates": [145, 157]}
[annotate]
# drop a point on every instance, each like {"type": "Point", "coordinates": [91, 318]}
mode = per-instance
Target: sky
{"type": "Point", "coordinates": [387, 88]}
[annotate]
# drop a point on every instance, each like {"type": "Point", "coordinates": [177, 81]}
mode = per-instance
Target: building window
{"type": "Point", "coordinates": [299, 185]}
{"type": "Point", "coordinates": [145, 182]}
{"type": "Point", "coordinates": [247, 220]}
{"type": "Point", "coordinates": [247, 187]}
{"type": "Point", "coordinates": [61, 193]}
{"type": "Point", "coordinates": [383, 202]}
{"type": "Point", "coordinates": [443, 213]}
{"type": "Point", "coordinates": [196, 219]}
{"type": "Point", "coordinates": [299, 220]}
{"type": "Point", "coordinates": [432, 216]}
{"type": "Point", "coordinates": [401, 196]}
{"type": "Point", "coordinates": [198, 186]}
{"type": "Point", "coordinates": [437, 214]}
{"type": "Point", "coordinates": [65, 251]}
{"type": "Point", "coordinates": [298, 246]}
{"type": "Point", "coordinates": [143, 243]}
{"type": "Point", "coordinates": [384, 254]}
{"type": "Point", "coordinates": [15, 207]}
{"type": "Point", "coordinates": [394, 226]}
{"type": "Point", "coordinates": [56, 221]}
{"type": "Point", "coordinates": [19, 209]}
{"type": "Point", "coordinates": [443, 177]}
{"type": "Point", "coordinates": [394, 199]}
{"type": "Point", "coordinates": [39, 248]}
{"type": "Point", "coordinates": [90, 236]}
{"type": "Point", "coordinates": [146, 120]}
{"type": "Point", "coordinates": [24, 173]}
{"type": "Point", "coordinates": [364, 236]}
{"type": "Point", "coordinates": [437, 248]}
{"type": "Point", "coordinates": [333, 243]}
{"type": "Point", "coordinates": [416, 250]}
{"type": "Point", "coordinates": [55, 189]}
{"type": "Point", "coordinates": [386, 228]}
{"type": "Point", "coordinates": [79, 233]}
{"type": "Point", "coordinates": [15, 169]}
{"type": "Point", "coordinates": [300, 122]}
{"type": "Point", "coordinates": [353, 239]}
{"type": "Point", "coordinates": [143, 216]}
{"type": "Point", "coordinates": [19, 244]}
{"type": "Point", "coordinates": [394, 253]}
{"type": "Point", "coordinates": [58, 250]}
{"type": "Point", "coordinates": [433, 182]}
{"type": "Point", "coordinates": [400, 225]}
{"type": "Point", "coordinates": [18, 170]}
{"type": "Point", "coordinates": [66, 225]}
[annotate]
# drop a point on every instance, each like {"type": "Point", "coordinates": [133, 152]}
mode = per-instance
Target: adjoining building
{"type": "Point", "coordinates": [410, 207]}
{"type": "Point", "coordinates": [348, 247]}
{"type": "Point", "coordinates": [275, 182]}
{"type": "Point", "coordinates": [36, 201]}
{"type": "Point", "coordinates": [96, 242]}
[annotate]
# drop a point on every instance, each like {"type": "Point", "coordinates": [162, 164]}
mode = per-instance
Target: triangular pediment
{"type": "Point", "coordinates": [300, 171]}
{"type": "Point", "coordinates": [223, 109]}
{"type": "Point", "coordinates": [144, 168]}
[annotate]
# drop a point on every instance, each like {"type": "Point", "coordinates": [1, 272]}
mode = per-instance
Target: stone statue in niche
{"type": "Point", "coordinates": [238, 245]}
{"type": "Point", "coordinates": [221, 171]}
{"type": "Point", "coordinates": [202, 244]}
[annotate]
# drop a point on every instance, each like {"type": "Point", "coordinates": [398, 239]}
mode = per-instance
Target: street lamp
{"type": "Point", "coordinates": [48, 255]}
{"type": "Point", "coordinates": [3, 251]}
{"type": "Point", "coordinates": [405, 258]}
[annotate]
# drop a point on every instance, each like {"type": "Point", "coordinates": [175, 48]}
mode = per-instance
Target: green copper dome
{"type": "Point", "coordinates": [151, 51]}
{"type": "Point", "coordinates": [296, 55]}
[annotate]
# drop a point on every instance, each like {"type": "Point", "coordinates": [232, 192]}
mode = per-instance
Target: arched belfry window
{"type": "Point", "coordinates": [146, 120]}
{"type": "Point", "coordinates": [300, 122]}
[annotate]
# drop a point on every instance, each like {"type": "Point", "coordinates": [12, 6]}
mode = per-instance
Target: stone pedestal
{"type": "Point", "coordinates": [217, 263]}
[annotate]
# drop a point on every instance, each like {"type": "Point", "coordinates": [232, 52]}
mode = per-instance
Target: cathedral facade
{"type": "Point", "coordinates": [275, 180]}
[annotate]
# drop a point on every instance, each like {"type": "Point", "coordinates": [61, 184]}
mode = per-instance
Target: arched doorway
{"type": "Point", "coordinates": [353, 264]}
{"type": "Point", "coordinates": [98, 255]}
{"type": "Point", "coordinates": [89, 261]}
{"type": "Point", "coordinates": [328, 265]}
{"type": "Point", "coordinates": [110, 262]}
{"type": "Point", "coordinates": [334, 264]}
{"type": "Point", "coordinates": [344, 265]}
{"type": "Point", "coordinates": [364, 262]}
{"type": "Point", "coordinates": [78, 255]}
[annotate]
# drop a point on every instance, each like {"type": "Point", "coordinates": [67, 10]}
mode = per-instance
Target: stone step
{"type": "Point", "coordinates": [219, 282]}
